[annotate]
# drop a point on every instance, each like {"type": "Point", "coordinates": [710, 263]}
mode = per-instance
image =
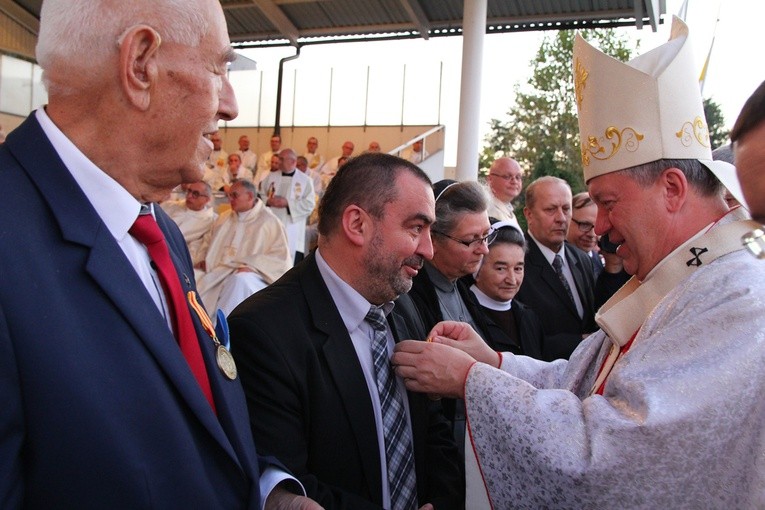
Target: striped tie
{"type": "Point", "coordinates": [398, 443]}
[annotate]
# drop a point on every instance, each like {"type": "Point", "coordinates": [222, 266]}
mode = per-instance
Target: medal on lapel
{"type": "Point", "coordinates": [223, 357]}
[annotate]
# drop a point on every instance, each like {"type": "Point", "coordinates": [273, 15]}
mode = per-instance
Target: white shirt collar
{"type": "Point", "coordinates": [117, 208]}
{"type": "Point", "coordinates": [548, 253]}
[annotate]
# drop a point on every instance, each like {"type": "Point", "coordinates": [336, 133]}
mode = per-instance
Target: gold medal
{"type": "Point", "coordinates": [224, 358]}
{"type": "Point", "coordinates": [225, 362]}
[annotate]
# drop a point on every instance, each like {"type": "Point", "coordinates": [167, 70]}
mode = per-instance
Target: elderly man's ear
{"type": "Point", "coordinates": [138, 49]}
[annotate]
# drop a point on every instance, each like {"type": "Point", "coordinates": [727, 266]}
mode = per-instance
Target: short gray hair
{"type": "Point", "coordinates": [698, 176]}
{"type": "Point", "coordinates": [456, 200]}
{"type": "Point", "coordinates": [82, 33]}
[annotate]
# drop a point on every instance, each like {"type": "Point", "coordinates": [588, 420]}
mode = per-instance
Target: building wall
{"type": "Point", "coordinates": [330, 138]}
{"type": "Point", "coordinates": [15, 39]}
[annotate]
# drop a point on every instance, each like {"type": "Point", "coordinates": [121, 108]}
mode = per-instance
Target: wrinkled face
{"type": "Point", "coordinates": [312, 145]}
{"type": "Point", "coordinates": [275, 163]}
{"type": "Point", "coordinates": [505, 179]}
{"type": "Point", "coordinates": [192, 95]}
{"type": "Point", "coordinates": [276, 143]}
{"type": "Point", "coordinates": [750, 166]}
{"type": "Point", "coordinates": [244, 143]}
{"type": "Point", "coordinates": [400, 241]}
{"type": "Point", "coordinates": [196, 196]}
{"type": "Point", "coordinates": [240, 198]}
{"type": "Point", "coordinates": [550, 214]}
{"type": "Point", "coordinates": [234, 161]}
{"type": "Point", "coordinates": [501, 273]}
{"type": "Point", "coordinates": [634, 218]}
{"type": "Point", "coordinates": [453, 258]}
{"type": "Point", "coordinates": [374, 147]}
{"type": "Point", "coordinates": [347, 149]}
{"type": "Point", "coordinates": [581, 231]}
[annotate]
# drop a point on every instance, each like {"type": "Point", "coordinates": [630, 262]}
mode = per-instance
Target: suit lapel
{"type": "Point", "coordinates": [549, 276]}
{"type": "Point", "coordinates": [109, 267]}
{"type": "Point", "coordinates": [345, 371]}
{"type": "Point", "coordinates": [577, 273]}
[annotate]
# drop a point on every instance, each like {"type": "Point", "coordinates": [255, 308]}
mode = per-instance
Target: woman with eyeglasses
{"type": "Point", "coordinates": [461, 235]}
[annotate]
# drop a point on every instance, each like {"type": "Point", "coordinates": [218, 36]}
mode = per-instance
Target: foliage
{"type": "Point", "coordinates": [541, 130]}
{"type": "Point", "coordinates": [718, 135]}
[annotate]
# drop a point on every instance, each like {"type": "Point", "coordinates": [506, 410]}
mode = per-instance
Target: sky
{"type": "Point", "coordinates": [735, 68]}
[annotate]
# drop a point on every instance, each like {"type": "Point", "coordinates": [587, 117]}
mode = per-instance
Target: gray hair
{"type": "Point", "coordinates": [248, 185]}
{"type": "Point", "coordinates": [456, 200]}
{"type": "Point", "coordinates": [698, 176]}
{"type": "Point", "coordinates": [724, 153]}
{"type": "Point", "coordinates": [81, 34]}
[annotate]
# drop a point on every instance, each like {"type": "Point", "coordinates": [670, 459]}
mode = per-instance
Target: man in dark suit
{"type": "Point", "coordinates": [112, 397]}
{"type": "Point", "coordinates": [559, 280]}
{"type": "Point", "coordinates": [304, 348]}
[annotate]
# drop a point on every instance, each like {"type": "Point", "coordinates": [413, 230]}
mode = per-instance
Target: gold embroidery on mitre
{"type": "Point", "coordinates": [580, 80]}
{"type": "Point", "coordinates": [695, 130]}
{"type": "Point", "coordinates": [627, 138]}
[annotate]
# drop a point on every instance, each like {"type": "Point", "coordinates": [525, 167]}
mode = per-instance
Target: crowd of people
{"type": "Point", "coordinates": [347, 334]}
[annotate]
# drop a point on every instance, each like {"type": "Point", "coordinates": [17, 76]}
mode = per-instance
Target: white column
{"type": "Point", "coordinates": [473, 31]}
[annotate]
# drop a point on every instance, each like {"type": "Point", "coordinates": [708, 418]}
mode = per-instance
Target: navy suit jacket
{"type": "Point", "coordinates": [543, 292]}
{"type": "Point", "coordinates": [99, 407]}
{"type": "Point", "coordinates": [305, 384]}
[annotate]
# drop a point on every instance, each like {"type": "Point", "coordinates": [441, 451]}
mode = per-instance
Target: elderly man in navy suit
{"type": "Point", "coordinates": [116, 392]}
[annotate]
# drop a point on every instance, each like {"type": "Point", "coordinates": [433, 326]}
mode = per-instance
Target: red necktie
{"type": "Point", "coordinates": [146, 230]}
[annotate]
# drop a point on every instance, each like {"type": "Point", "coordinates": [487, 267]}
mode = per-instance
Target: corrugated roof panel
{"type": "Point", "coordinates": [338, 18]}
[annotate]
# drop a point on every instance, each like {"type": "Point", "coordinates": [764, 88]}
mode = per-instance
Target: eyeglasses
{"type": "Point", "coordinates": [584, 226]}
{"type": "Point", "coordinates": [755, 242]}
{"type": "Point", "coordinates": [195, 194]}
{"type": "Point", "coordinates": [487, 239]}
{"type": "Point", "coordinates": [517, 177]}
{"type": "Point", "coordinates": [235, 194]}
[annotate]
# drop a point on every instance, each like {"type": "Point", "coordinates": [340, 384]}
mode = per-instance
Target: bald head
{"type": "Point", "coordinates": [505, 179]}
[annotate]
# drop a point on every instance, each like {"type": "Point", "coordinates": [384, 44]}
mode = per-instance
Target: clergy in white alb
{"type": "Point", "coordinates": [290, 196]}
{"type": "Point", "coordinates": [505, 180]}
{"type": "Point", "coordinates": [247, 251]}
{"type": "Point", "coordinates": [194, 216]}
{"type": "Point", "coordinates": [249, 158]}
{"type": "Point", "coordinates": [662, 407]}
{"type": "Point", "coordinates": [313, 158]}
{"type": "Point", "coordinates": [264, 162]}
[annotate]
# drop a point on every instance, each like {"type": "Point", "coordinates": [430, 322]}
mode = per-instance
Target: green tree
{"type": "Point", "coordinates": [718, 135]}
{"type": "Point", "coordinates": [543, 120]}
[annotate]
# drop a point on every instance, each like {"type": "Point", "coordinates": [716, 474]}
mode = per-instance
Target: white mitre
{"type": "Point", "coordinates": [650, 108]}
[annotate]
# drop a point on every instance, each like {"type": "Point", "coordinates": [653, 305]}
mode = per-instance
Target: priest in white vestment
{"type": "Point", "coordinates": [289, 194]}
{"type": "Point", "coordinates": [249, 158]}
{"type": "Point", "coordinates": [505, 181]}
{"type": "Point", "coordinates": [264, 162]}
{"type": "Point", "coordinates": [314, 159]}
{"type": "Point", "coordinates": [247, 251]}
{"type": "Point", "coordinates": [194, 216]}
{"type": "Point", "coordinates": [662, 407]}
